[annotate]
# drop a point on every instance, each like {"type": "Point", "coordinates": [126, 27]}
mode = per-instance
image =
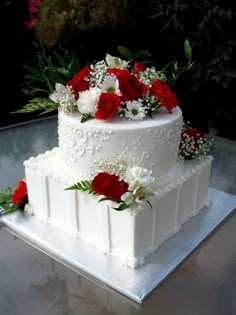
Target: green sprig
{"type": "Point", "coordinates": [84, 185]}
{"type": "Point", "coordinates": [6, 205]}
{"type": "Point", "coordinates": [44, 105]}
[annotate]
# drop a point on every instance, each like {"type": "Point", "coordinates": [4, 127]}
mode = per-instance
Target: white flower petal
{"type": "Point", "coordinates": [109, 84]}
{"type": "Point", "coordinates": [115, 62]}
{"type": "Point", "coordinates": [135, 110]}
{"type": "Point", "coordinates": [127, 198]}
{"type": "Point", "coordinates": [87, 101]}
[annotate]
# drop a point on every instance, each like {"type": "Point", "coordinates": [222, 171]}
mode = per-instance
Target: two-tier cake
{"type": "Point", "coordinates": [126, 175]}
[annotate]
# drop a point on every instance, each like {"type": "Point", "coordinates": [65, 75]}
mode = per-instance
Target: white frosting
{"type": "Point", "coordinates": [152, 143]}
{"type": "Point", "coordinates": [130, 235]}
{"type": "Point", "coordinates": [143, 231]}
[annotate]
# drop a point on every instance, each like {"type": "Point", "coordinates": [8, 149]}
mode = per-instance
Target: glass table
{"type": "Point", "coordinates": [34, 283]}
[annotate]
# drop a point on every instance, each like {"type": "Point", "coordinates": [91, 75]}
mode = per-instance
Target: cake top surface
{"type": "Point", "coordinates": [161, 118]}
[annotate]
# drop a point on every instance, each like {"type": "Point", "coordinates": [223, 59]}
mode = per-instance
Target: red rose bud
{"type": "Point", "coordinates": [78, 82]}
{"type": "Point", "coordinates": [109, 185]}
{"type": "Point", "coordinates": [20, 193]}
{"type": "Point", "coordinates": [165, 96]}
{"type": "Point", "coordinates": [138, 67]}
{"type": "Point", "coordinates": [194, 133]}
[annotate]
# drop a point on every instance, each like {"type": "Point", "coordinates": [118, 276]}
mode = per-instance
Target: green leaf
{"type": "Point", "coordinates": [51, 68]}
{"type": "Point", "coordinates": [86, 117]}
{"type": "Point", "coordinates": [122, 207]}
{"type": "Point", "coordinates": [38, 104]}
{"type": "Point", "coordinates": [41, 63]}
{"type": "Point", "coordinates": [35, 77]}
{"type": "Point", "coordinates": [4, 198]}
{"type": "Point", "coordinates": [39, 90]}
{"type": "Point", "coordinates": [31, 69]}
{"type": "Point", "coordinates": [9, 209]}
{"type": "Point", "coordinates": [125, 52]}
{"type": "Point", "coordinates": [146, 62]}
{"type": "Point", "coordinates": [142, 53]}
{"type": "Point", "coordinates": [111, 199]}
{"type": "Point", "coordinates": [6, 205]}
{"type": "Point", "coordinates": [149, 204]}
{"type": "Point", "coordinates": [84, 185]}
{"type": "Point", "coordinates": [6, 195]}
{"type": "Point", "coordinates": [175, 66]}
{"type": "Point", "coordinates": [74, 65]}
{"type": "Point", "coordinates": [187, 49]}
{"type": "Point", "coordinates": [60, 60]}
{"type": "Point", "coordinates": [169, 64]}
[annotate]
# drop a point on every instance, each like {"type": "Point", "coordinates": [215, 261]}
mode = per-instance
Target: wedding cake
{"type": "Point", "coordinates": [127, 173]}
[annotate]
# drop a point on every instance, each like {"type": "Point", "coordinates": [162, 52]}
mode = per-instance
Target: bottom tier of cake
{"type": "Point", "coordinates": [128, 235]}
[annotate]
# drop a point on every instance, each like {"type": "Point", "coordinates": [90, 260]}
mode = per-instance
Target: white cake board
{"type": "Point", "coordinates": [135, 284]}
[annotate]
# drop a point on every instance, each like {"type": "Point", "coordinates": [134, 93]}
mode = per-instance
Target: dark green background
{"type": "Point", "coordinates": [205, 93]}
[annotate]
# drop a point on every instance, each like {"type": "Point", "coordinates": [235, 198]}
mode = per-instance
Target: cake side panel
{"type": "Point", "coordinates": [194, 191]}
{"type": "Point", "coordinates": [204, 179]}
{"type": "Point", "coordinates": [37, 193]}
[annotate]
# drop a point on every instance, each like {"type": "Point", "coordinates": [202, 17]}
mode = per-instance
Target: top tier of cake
{"type": "Point", "coordinates": [152, 143]}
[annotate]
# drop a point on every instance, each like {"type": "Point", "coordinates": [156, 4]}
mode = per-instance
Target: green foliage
{"type": "Point", "coordinates": [188, 50]}
{"type": "Point", "coordinates": [122, 206]}
{"type": "Point", "coordinates": [6, 205]}
{"type": "Point", "coordinates": [50, 71]}
{"type": "Point", "coordinates": [43, 78]}
{"type": "Point", "coordinates": [142, 56]}
{"type": "Point", "coordinates": [171, 70]}
{"type": "Point", "coordinates": [86, 117]}
{"type": "Point", "coordinates": [44, 105]}
{"type": "Point", "coordinates": [84, 185]}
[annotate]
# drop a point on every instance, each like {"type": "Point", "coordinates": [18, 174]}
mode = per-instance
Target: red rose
{"type": "Point", "coordinates": [193, 133]}
{"type": "Point", "coordinates": [165, 96]}
{"type": "Point", "coordinates": [20, 193]}
{"type": "Point", "coordinates": [108, 105]}
{"type": "Point", "coordinates": [138, 67]}
{"type": "Point", "coordinates": [130, 87]}
{"type": "Point", "coordinates": [109, 185]}
{"type": "Point", "coordinates": [78, 82]}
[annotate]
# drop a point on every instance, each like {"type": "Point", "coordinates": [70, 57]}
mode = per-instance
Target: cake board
{"type": "Point", "coordinates": [136, 284]}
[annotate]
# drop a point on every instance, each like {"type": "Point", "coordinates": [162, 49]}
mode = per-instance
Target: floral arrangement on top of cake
{"type": "Point", "coordinates": [109, 87]}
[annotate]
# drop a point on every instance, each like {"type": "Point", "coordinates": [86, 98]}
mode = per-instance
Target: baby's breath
{"type": "Point", "coordinates": [116, 166]}
{"type": "Point", "coordinates": [68, 102]}
{"type": "Point", "coordinates": [192, 149]}
{"type": "Point", "coordinates": [98, 73]}
{"type": "Point", "coordinates": [151, 74]}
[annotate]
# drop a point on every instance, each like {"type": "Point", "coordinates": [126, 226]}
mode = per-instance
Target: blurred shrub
{"type": "Point", "coordinates": [91, 28]}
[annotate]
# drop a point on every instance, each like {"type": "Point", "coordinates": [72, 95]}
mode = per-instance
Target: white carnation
{"type": "Point", "coordinates": [87, 101]}
{"type": "Point", "coordinates": [137, 176]}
